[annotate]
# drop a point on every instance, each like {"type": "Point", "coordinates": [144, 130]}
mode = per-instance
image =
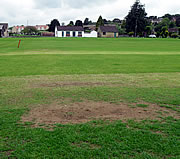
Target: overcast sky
{"type": "Point", "coordinates": [18, 12]}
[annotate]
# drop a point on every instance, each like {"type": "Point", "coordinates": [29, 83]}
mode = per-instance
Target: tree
{"type": "Point", "coordinates": [164, 32]}
{"type": "Point", "coordinates": [121, 30]}
{"type": "Point", "coordinates": [123, 24]}
{"type": "Point", "coordinates": [169, 16]}
{"type": "Point", "coordinates": [148, 30]}
{"type": "Point", "coordinates": [100, 22]}
{"type": "Point", "coordinates": [30, 30]}
{"type": "Point", "coordinates": [117, 21]}
{"type": "Point", "coordinates": [172, 24]}
{"type": "Point", "coordinates": [136, 19]}
{"type": "Point", "coordinates": [178, 21]}
{"type": "Point", "coordinates": [86, 21]}
{"type": "Point", "coordinates": [164, 23]}
{"type": "Point", "coordinates": [71, 23]}
{"type": "Point", "coordinates": [105, 21]}
{"type": "Point", "coordinates": [78, 23]}
{"type": "Point", "coordinates": [53, 24]}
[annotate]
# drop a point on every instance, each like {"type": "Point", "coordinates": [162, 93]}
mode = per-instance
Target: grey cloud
{"type": "Point", "coordinates": [43, 11]}
{"type": "Point", "coordinates": [48, 3]}
{"type": "Point", "coordinates": [85, 3]}
{"type": "Point", "coordinates": [69, 3]}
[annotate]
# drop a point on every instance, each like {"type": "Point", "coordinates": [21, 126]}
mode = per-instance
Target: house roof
{"type": "Point", "coordinates": [108, 29]}
{"type": "Point", "coordinates": [70, 28]}
{"type": "Point", "coordinates": [45, 26]}
{"type": "Point", "coordinates": [21, 27]}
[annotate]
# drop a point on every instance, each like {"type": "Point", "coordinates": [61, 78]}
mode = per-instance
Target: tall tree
{"type": "Point", "coordinates": [100, 22]}
{"type": "Point", "coordinates": [71, 23]}
{"type": "Point", "coordinates": [86, 21]}
{"type": "Point", "coordinates": [168, 16]}
{"type": "Point", "coordinates": [105, 21]}
{"type": "Point", "coordinates": [78, 23]}
{"type": "Point", "coordinates": [53, 24]}
{"type": "Point", "coordinates": [136, 18]}
{"type": "Point", "coordinates": [148, 29]}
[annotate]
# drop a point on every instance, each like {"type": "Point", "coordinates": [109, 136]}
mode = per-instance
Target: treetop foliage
{"type": "Point", "coordinates": [78, 23]}
{"type": "Point", "coordinates": [53, 24]}
{"type": "Point", "coordinates": [100, 22]}
{"type": "Point", "coordinates": [136, 18]}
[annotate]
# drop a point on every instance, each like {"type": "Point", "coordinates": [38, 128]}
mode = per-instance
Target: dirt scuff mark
{"type": "Point", "coordinates": [82, 112]}
{"type": "Point", "coordinates": [66, 84]}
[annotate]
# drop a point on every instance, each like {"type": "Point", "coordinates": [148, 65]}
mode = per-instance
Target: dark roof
{"type": "Point", "coordinates": [70, 28]}
{"type": "Point", "coordinates": [108, 29]}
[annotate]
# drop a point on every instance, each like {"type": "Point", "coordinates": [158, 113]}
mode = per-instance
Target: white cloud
{"type": "Point", "coordinates": [43, 11]}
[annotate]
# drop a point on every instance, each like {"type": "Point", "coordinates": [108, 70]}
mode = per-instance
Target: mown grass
{"type": "Point", "coordinates": [87, 64]}
{"type": "Point", "coordinates": [31, 80]}
{"type": "Point", "coordinates": [89, 46]}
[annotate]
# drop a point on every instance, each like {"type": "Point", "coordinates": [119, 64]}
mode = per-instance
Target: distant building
{"type": "Point", "coordinates": [18, 29]}
{"type": "Point", "coordinates": [108, 32]}
{"type": "Point", "coordinates": [42, 27]}
{"type": "Point", "coordinates": [155, 20]}
{"type": "Point", "coordinates": [91, 34]}
{"type": "Point", "coordinates": [4, 30]}
{"type": "Point", "coordinates": [110, 24]}
{"type": "Point", "coordinates": [90, 27]}
{"type": "Point", "coordinates": [69, 31]}
{"type": "Point", "coordinates": [173, 30]}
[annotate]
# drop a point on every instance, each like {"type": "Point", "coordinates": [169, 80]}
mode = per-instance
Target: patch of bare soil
{"type": "Point", "coordinates": [86, 111]}
{"type": "Point", "coordinates": [64, 84]}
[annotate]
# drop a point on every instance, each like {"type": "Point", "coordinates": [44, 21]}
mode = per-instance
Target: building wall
{"type": "Point", "coordinates": [59, 33]}
{"type": "Point", "coordinates": [17, 29]}
{"type": "Point", "coordinates": [4, 30]}
{"type": "Point", "coordinates": [6, 34]}
{"type": "Point", "coordinates": [14, 30]}
{"type": "Point", "coordinates": [108, 35]}
{"type": "Point", "coordinates": [93, 34]}
{"type": "Point", "coordinates": [42, 27]}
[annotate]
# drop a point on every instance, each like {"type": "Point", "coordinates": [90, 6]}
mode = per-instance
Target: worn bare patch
{"type": "Point", "coordinates": [64, 84]}
{"type": "Point", "coordinates": [82, 112]}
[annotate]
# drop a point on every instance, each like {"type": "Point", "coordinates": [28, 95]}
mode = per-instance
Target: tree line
{"type": "Point", "coordinates": [136, 23]}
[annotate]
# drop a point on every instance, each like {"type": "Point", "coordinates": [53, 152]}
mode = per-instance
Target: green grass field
{"type": "Point", "coordinates": [138, 77]}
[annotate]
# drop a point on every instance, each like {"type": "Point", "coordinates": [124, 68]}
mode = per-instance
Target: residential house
{"type": "Point", "coordinates": [155, 20]}
{"type": "Point", "coordinates": [108, 32]}
{"type": "Point", "coordinates": [173, 30]}
{"type": "Point", "coordinates": [89, 27]}
{"type": "Point", "coordinates": [69, 31]}
{"type": "Point", "coordinates": [4, 30]}
{"type": "Point", "coordinates": [42, 27]}
{"type": "Point", "coordinates": [18, 29]}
